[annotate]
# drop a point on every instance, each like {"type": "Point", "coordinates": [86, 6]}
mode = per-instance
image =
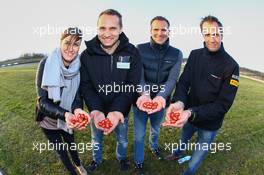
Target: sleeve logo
{"type": "Point", "coordinates": [234, 82]}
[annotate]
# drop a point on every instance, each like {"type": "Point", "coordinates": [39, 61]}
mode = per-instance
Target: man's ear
{"type": "Point", "coordinates": [121, 30]}
{"type": "Point", "coordinates": [150, 31]}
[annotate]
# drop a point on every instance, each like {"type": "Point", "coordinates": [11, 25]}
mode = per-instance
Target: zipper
{"type": "Point", "coordinates": [159, 67]}
{"type": "Point", "coordinates": [111, 63]}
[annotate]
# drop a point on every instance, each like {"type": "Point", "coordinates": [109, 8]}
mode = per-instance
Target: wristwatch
{"type": "Point", "coordinates": [192, 117]}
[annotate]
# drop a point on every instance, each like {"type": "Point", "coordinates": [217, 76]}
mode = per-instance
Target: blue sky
{"type": "Point", "coordinates": [21, 22]}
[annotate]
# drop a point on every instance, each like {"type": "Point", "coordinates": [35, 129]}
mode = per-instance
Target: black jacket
{"type": "Point", "coordinates": [45, 106]}
{"type": "Point", "coordinates": [99, 70]}
{"type": "Point", "coordinates": [208, 85]}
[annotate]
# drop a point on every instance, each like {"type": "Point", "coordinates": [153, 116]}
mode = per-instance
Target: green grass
{"type": "Point", "coordinates": [243, 128]}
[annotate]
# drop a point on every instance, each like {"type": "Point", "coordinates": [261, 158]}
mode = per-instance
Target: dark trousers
{"type": "Point", "coordinates": [58, 137]}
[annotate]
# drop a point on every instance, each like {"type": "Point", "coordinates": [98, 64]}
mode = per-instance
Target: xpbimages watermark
{"type": "Point", "coordinates": [49, 146]}
{"type": "Point", "coordinates": [213, 147]}
{"type": "Point", "coordinates": [117, 88]}
{"type": "Point", "coordinates": [48, 30]}
{"type": "Point", "coordinates": [176, 30]}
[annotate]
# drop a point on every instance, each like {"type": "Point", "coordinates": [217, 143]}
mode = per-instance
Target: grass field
{"type": "Point", "coordinates": [243, 128]}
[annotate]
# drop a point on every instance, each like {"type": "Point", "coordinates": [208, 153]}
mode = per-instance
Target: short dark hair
{"type": "Point", "coordinates": [160, 18]}
{"type": "Point", "coordinates": [75, 32]}
{"type": "Point", "coordinates": [210, 19]}
{"type": "Point", "coordinates": [114, 13]}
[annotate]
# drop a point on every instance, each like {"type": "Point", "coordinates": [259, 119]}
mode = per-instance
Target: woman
{"type": "Point", "coordinates": [57, 84]}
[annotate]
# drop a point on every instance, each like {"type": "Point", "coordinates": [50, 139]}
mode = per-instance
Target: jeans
{"type": "Point", "coordinates": [58, 137]}
{"type": "Point", "coordinates": [204, 137]}
{"type": "Point", "coordinates": [122, 141]}
{"type": "Point", "coordinates": [140, 124]}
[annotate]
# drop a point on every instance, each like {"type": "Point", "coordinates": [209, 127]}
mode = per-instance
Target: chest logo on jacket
{"type": "Point", "coordinates": [123, 62]}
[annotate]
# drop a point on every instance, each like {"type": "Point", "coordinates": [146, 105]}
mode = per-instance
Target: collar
{"type": "Point", "coordinates": [219, 51]}
{"type": "Point", "coordinates": [160, 47]}
{"type": "Point", "coordinates": [111, 50]}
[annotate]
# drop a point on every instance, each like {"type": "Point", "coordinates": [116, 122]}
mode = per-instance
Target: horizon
{"type": "Point", "coordinates": [24, 22]}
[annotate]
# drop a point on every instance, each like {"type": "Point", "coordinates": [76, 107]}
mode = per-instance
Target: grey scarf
{"type": "Point", "coordinates": [56, 77]}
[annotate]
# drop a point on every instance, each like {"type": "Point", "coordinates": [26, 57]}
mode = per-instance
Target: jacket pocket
{"type": "Point", "coordinates": [214, 81]}
{"type": "Point", "coordinates": [168, 64]}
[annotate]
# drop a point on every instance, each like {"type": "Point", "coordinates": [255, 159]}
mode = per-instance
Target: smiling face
{"type": "Point", "coordinates": [159, 31]}
{"type": "Point", "coordinates": [212, 36]}
{"type": "Point", "coordinates": [70, 46]}
{"type": "Point", "coordinates": [108, 29]}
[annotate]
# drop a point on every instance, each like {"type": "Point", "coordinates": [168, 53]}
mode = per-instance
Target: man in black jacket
{"type": "Point", "coordinates": [110, 71]}
{"type": "Point", "coordinates": [204, 93]}
{"type": "Point", "coordinates": [161, 68]}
